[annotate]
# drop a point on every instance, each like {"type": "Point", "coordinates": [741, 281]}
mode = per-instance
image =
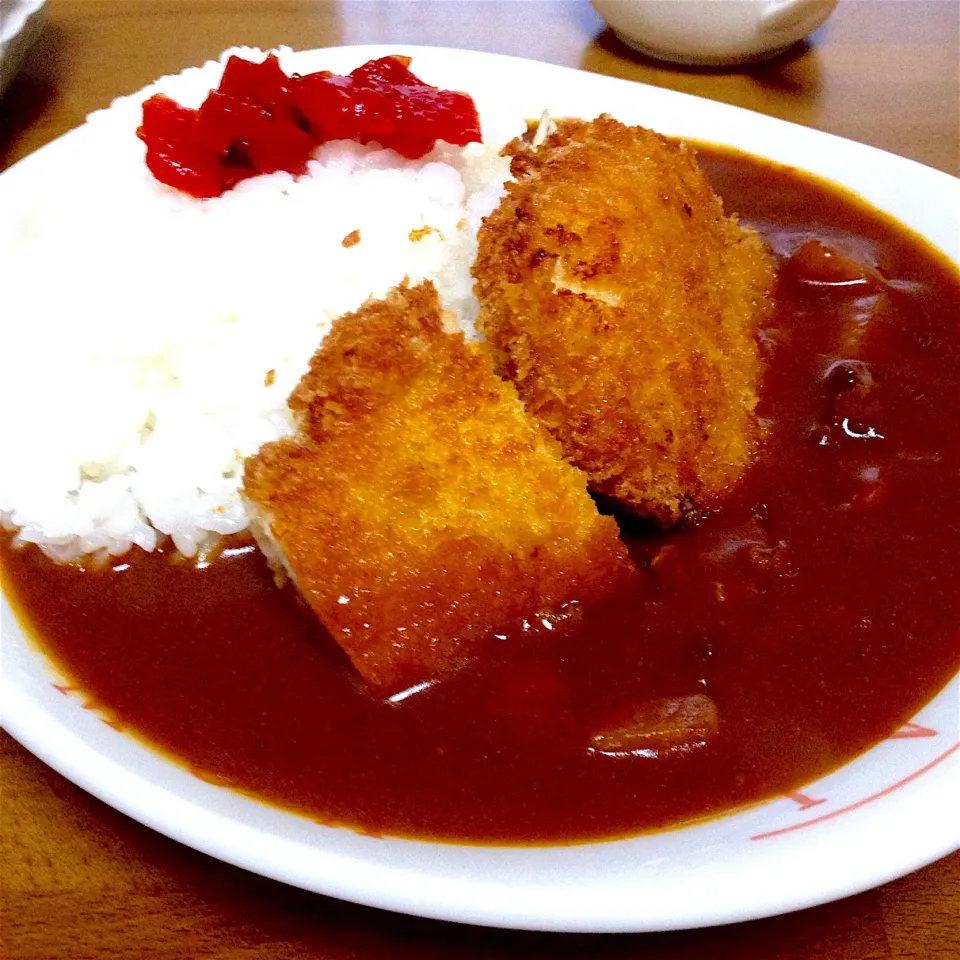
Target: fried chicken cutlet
{"type": "Point", "coordinates": [625, 306]}
{"type": "Point", "coordinates": [418, 508]}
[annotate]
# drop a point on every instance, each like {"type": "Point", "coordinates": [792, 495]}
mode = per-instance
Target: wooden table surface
{"type": "Point", "coordinates": [80, 880]}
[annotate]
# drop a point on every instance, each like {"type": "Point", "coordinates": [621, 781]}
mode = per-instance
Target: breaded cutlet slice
{"type": "Point", "coordinates": [418, 508]}
{"type": "Point", "coordinates": [625, 306]}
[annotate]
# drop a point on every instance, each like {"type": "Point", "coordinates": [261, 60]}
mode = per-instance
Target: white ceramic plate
{"type": "Point", "coordinates": [887, 813]}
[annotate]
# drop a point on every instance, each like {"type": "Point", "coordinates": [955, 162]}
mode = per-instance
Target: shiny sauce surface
{"type": "Point", "coordinates": [819, 609]}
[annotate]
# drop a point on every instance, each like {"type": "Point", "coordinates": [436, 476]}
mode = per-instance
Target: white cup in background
{"type": "Point", "coordinates": [713, 32]}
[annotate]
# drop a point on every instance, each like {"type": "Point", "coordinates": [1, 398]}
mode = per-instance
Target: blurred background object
{"type": "Point", "coordinates": [713, 32]}
{"type": "Point", "coordinates": [20, 22]}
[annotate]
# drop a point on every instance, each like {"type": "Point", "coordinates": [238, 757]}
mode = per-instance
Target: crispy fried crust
{"type": "Point", "coordinates": [625, 306]}
{"type": "Point", "coordinates": [419, 508]}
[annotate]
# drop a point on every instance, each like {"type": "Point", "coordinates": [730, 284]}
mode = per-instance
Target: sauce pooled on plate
{"type": "Point", "coordinates": [762, 645]}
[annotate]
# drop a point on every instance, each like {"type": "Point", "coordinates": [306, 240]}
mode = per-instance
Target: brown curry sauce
{"type": "Point", "coordinates": [819, 609]}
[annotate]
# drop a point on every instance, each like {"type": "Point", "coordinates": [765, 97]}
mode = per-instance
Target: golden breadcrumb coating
{"type": "Point", "coordinates": [418, 508]}
{"type": "Point", "coordinates": [625, 307]}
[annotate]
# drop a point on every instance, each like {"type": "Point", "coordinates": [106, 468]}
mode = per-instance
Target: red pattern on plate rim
{"type": "Point", "coordinates": [854, 806]}
{"type": "Point", "coordinates": [805, 802]}
{"type": "Point", "coordinates": [910, 730]}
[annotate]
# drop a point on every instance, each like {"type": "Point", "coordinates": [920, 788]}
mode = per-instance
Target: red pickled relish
{"type": "Point", "coordinates": [259, 120]}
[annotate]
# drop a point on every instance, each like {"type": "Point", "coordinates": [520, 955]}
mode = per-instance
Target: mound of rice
{"type": "Point", "coordinates": [157, 337]}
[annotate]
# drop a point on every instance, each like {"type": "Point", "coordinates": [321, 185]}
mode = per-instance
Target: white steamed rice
{"type": "Point", "coordinates": [140, 325]}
